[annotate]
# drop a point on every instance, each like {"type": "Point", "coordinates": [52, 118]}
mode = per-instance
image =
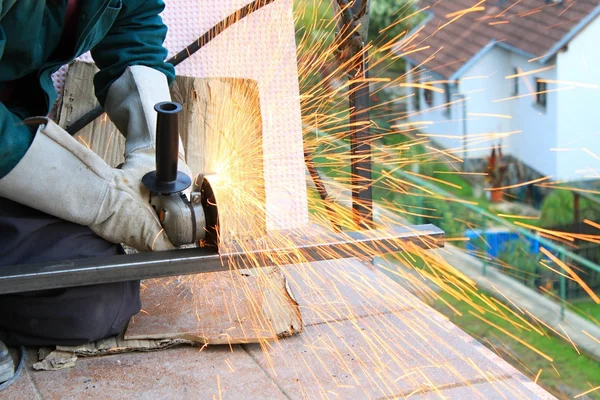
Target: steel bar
{"type": "Point", "coordinates": [91, 271]}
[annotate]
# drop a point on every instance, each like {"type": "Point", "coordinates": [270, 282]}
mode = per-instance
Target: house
{"type": "Point", "coordinates": [521, 73]}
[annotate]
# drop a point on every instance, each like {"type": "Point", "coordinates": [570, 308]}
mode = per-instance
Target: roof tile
{"type": "Point", "coordinates": [459, 29]}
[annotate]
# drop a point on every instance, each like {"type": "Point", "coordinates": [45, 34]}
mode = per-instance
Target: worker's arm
{"type": "Point", "coordinates": [62, 177]}
{"type": "Point", "coordinates": [15, 139]}
{"type": "Point", "coordinates": [43, 167]}
{"type": "Point", "coordinates": [134, 76]}
{"type": "Point", "coordinates": [135, 38]}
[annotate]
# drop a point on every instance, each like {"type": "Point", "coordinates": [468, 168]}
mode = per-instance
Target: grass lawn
{"type": "Point", "coordinates": [568, 375]}
{"type": "Point", "coordinates": [588, 309]}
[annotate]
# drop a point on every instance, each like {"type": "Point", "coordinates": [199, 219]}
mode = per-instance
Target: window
{"type": "Point", "coordinates": [429, 97]}
{"type": "Point", "coordinates": [516, 82]}
{"type": "Point", "coordinates": [448, 98]}
{"type": "Point", "coordinates": [541, 97]}
{"type": "Point", "coordinates": [417, 99]}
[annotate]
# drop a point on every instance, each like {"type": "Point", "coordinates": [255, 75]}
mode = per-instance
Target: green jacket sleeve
{"type": "Point", "coordinates": [15, 139]}
{"type": "Point", "coordinates": [135, 38]}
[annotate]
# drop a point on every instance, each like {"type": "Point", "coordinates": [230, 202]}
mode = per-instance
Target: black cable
{"type": "Point", "coordinates": [183, 55]}
{"type": "Point", "coordinates": [20, 368]}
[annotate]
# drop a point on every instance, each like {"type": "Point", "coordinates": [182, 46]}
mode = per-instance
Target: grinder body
{"type": "Point", "coordinates": [185, 220]}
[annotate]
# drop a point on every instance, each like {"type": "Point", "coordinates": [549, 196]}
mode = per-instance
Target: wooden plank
{"type": "Point", "coordinates": [221, 128]}
{"type": "Point", "coordinates": [243, 306]}
{"type": "Point", "coordinates": [236, 307]}
{"type": "Point", "coordinates": [102, 136]}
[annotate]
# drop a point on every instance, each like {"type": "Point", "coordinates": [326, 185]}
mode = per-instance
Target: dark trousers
{"type": "Point", "coordinates": [63, 316]}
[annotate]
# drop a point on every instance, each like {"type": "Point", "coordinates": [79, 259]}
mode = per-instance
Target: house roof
{"type": "Point", "coordinates": [458, 30]}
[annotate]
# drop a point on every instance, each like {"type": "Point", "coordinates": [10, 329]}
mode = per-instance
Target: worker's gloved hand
{"type": "Point", "coordinates": [130, 105]}
{"type": "Point", "coordinates": [60, 176]}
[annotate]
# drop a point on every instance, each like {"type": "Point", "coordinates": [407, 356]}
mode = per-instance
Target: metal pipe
{"type": "Point", "coordinates": [299, 249]}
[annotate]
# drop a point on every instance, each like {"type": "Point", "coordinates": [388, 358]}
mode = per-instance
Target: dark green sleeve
{"type": "Point", "coordinates": [15, 139]}
{"type": "Point", "coordinates": [136, 38]}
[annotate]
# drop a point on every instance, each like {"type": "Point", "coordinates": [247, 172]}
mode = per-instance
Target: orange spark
{"type": "Point", "coordinates": [545, 178]}
{"type": "Point", "coordinates": [422, 86]}
{"type": "Point", "coordinates": [576, 277]}
{"type": "Point", "coordinates": [535, 71]}
{"type": "Point", "coordinates": [587, 392]}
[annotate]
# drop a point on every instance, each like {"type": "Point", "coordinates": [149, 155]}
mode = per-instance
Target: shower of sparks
{"type": "Point", "coordinates": [392, 346]}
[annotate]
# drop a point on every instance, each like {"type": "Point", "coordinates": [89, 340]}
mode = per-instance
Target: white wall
{"type": "Point", "coordinates": [539, 126]}
{"type": "Point", "coordinates": [579, 107]}
{"type": "Point", "coordinates": [483, 84]}
{"type": "Point", "coordinates": [444, 123]}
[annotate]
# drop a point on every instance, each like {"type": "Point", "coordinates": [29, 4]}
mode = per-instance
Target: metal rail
{"type": "Point", "coordinates": [91, 271]}
{"type": "Point", "coordinates": [492, 217]}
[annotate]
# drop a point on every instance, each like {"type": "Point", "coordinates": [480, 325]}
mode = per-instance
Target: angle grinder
{"type": "Point", "coordinates": [185, 220]}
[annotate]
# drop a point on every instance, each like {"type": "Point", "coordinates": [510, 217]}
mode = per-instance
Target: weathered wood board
{"type": "Point", "coordinates": [220, 127]}
{"type": "Point", "coordinates": [243, 306]}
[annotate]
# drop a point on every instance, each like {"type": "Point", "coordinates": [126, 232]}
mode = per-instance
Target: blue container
{"type": "Point", "coordinates": [499, 241]}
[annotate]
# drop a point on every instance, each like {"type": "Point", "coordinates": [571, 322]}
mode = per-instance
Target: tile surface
{"type": "Point", "coordinates": [340, 289]}
{"type": "Point", "coordinates": [359, 343]}
{"type": "Point", "coordinates": [182, 373]}
{"type": "Point", "coordinates": [374, 357]}
{"type": "Point", "coordinates": [499, 390]}
{"type": "Point", "coordinates": [23, 388]}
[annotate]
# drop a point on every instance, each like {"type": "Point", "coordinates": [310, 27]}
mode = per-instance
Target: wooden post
{"type": "Point", "coordinates": [576, 214]}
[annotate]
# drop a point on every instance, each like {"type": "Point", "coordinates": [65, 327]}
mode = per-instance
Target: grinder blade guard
{"type": "Point", "coordinates": [186, 221]}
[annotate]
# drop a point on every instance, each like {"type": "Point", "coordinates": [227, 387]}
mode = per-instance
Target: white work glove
{"type": "Point", "coordinates": [130, 105]}
{"type": "Point", "coordinates": [61, 177]}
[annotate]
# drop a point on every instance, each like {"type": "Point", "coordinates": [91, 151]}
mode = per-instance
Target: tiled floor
{"type": "Point", "coordinates": [358, 343]}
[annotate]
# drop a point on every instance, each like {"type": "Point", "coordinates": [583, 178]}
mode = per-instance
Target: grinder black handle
{"type": "Point", "coordinates": [166, 179]}
{"type": "Point", "coordinates": [167, 141]}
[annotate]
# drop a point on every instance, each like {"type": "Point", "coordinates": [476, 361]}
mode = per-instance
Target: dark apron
{"type": "Point", "coordinates": [63, 316]}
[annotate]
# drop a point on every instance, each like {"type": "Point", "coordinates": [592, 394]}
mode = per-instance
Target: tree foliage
{"type": "Point", "coordinates": [557, 209]}
{"type": "Point", "coordinates": [385, 13]}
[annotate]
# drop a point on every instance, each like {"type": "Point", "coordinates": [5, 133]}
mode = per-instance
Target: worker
{"type": "Point", "coordinates": [58, 199]}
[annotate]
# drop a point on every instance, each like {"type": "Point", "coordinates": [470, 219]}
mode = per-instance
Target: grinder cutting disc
{"type": "Point", "coordinates": [211, 214]}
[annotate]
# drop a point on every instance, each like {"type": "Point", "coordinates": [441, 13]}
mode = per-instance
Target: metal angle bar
{"type": "Point", "coordinates": [92, 271]}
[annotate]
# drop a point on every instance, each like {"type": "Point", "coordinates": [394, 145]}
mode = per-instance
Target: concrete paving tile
{"type": "Point", "coordinates": [496, 390]}
{"type": "Point", "coordinates": [181, 373]}
{"type": "Point", "coordinates": [23, 388]}
{"type": "Point", "coordinates": [340, 289]}
{"type": "Point", "coordinates": [373, 357]}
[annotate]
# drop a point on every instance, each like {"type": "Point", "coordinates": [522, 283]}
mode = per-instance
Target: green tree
{"type": "Point", "coordinates": [385, 13]}
{"type": "Point", "coordinates": [557, 209]}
